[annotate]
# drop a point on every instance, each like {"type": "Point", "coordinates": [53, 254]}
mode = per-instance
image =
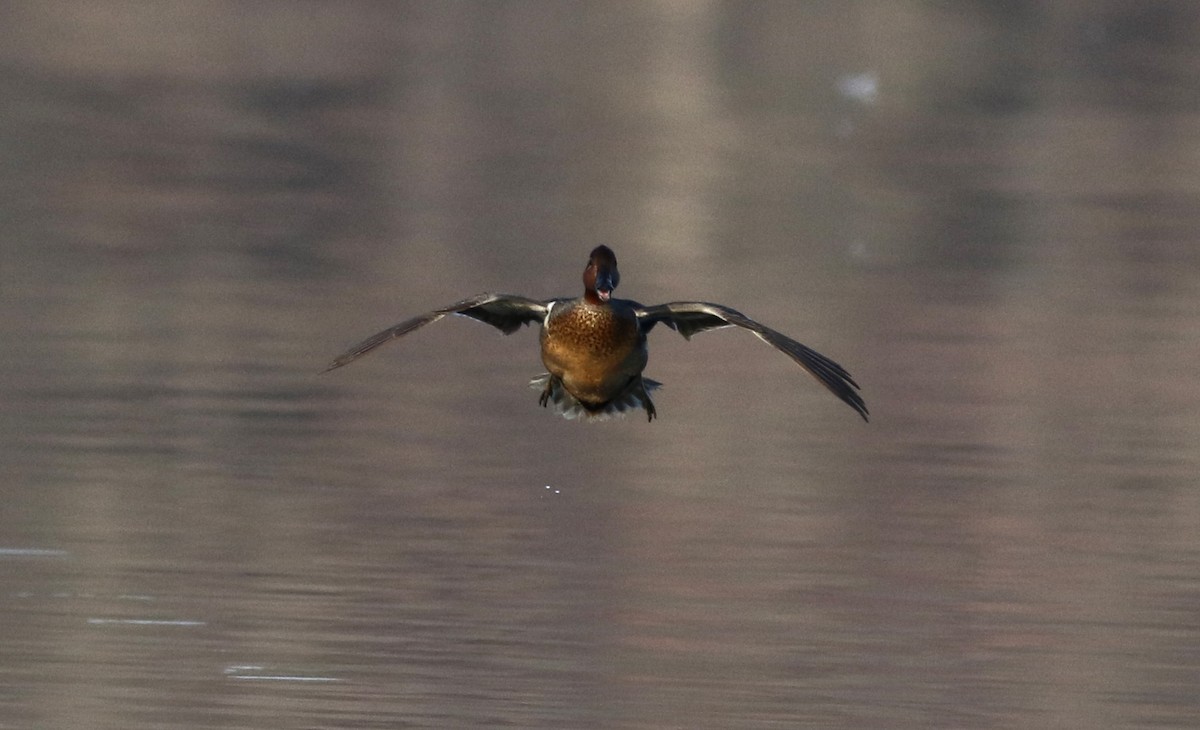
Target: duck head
{"type": "Point", "coordinates": [601, 275]}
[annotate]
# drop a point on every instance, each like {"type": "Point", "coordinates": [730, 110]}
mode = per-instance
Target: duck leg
{"type": "Point", "coordinates": [548, 391]}
{"type": "Point", "coordinates": [644, 393]}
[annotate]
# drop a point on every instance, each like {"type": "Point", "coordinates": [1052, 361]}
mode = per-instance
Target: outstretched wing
{"type": "Point", "coordinates": [505, 312]}
{"type": "Point", "coordinates": [688, 318]}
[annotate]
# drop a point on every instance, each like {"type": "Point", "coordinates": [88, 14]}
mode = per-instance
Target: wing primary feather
{"type": "Point", "coordinates": [688, 318]}
{"type": "Point", "coordinates": [505, 312]}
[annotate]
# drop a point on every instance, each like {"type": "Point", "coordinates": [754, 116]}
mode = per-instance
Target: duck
{"type": "Point", "coordinates": [594, 346]}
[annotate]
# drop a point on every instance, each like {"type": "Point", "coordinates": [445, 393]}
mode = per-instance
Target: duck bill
{"type": "Point", "coordinates": [605, 283]}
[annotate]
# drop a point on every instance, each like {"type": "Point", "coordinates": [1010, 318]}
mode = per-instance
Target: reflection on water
{"type": "Point", "coordinates": [998, 241]}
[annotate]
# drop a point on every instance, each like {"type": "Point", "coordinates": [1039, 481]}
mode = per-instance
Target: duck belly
{"type": "Point", "coordinates": [594, 357]}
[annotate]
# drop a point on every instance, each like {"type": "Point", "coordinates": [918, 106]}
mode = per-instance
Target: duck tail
{"type": "Point", "coordinates": [636, 396]}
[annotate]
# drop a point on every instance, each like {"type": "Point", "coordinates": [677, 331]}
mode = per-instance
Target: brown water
{"type": "Point", "coordinates": [988, 215]}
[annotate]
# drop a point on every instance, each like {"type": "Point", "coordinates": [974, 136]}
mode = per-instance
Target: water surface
{"type": "Point", "coordinates": [988, 218]}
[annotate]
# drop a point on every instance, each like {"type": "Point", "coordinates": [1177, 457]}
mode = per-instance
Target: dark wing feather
{"type": "Point", "coordinates": [688, 318]}
{"type": "Point", "coordinates": [505, 312]}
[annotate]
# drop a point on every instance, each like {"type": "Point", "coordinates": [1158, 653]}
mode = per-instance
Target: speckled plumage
{"type": "Point", "coordinates": [596, 350]}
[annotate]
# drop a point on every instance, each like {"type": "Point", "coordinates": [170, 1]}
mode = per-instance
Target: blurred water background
{"type": "Point", "coordinates": [986, 210]}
